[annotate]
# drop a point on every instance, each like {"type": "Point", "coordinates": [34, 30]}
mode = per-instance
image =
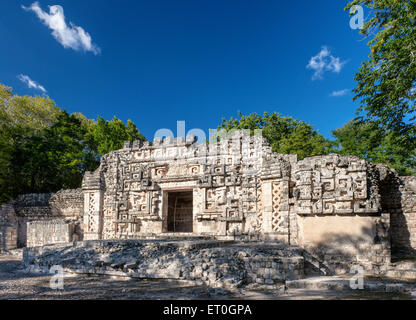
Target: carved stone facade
{"type": "Point", "coordinates": [231, 183]}
{"type": "Point", "coordinates": [239, 186]}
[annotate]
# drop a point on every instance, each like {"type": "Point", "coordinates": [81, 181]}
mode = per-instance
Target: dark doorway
{"type": "Point", "coordinates": [180, 211]}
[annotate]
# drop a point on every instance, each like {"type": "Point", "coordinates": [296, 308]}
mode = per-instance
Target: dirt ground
{"type": "Point", "coordinates": [18, 284]}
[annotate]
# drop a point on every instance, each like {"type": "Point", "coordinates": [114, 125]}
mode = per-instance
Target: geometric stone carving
{"type": "Point", "coordinates": [238, 186]}
{"type": "Point", "coordinates": [334, 185]}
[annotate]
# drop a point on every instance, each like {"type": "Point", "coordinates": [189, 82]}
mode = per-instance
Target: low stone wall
{"type": "Point", "coordinates": [398, 198]}
{"type": "Point", "coordinates": [215, 263]}
{"type": "Point", "coordinates": [335, 244]}
{"type": "Point", "coordinates": [42, 208]}
{"type": "Point", "coordinates": [8, 228]}
{"type": "Point", "coordinates": [40, 233]}
{"type": "Point", "coordinates": [64, 203]}
{"type": "Point", "coordinates": [67, 203]}
{"type": "Point", "coordinates": [32, 205]}
{"type": "Point", "coordinates": [404, 221]}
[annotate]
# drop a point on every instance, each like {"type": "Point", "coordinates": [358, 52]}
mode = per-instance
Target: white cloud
{"type": "Point", "coordinates": [339, 93]}
{"type": "Point", "coordinates": [324, 61]}
{"type": "Point", "coordinates": [69, 36]}
{"type": "Point", "coordinates": [30, 83]}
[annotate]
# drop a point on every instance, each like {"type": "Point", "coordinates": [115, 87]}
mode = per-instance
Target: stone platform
{"type": "Point", "coordinates": [215, 263]}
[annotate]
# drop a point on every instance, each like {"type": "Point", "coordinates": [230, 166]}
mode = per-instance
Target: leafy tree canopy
{"type": "Point", "coordinates": [110, 135]}
{"type": "Point", "coordinates": [285, 134]}
{"type": "Point", "coordinates": [44, 149]}
{"type": "Point", "coordinates": [25, 112]}
{"type": "Point", "coordinates": [370, 141]}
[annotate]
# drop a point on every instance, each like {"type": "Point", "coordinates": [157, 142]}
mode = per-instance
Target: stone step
{"type": "Point", "coordinates": [404, 265]}
{"type": "Point", "coordinates": [401, 274]}
{"type": "Point", "coordinates": [216, 263]}
{"type": "Point", "coordinates": [169, 236]}
{"type": "Point", "coordinates": [320, 283]}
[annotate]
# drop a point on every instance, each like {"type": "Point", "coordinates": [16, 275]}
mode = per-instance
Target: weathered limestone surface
{"type": "Point", "coordinates": [215, 263]}
{"type": "Point", "coordinates": [341, 242]}
{"type": "Point", "coordinates": [40, 219]}
{"type": "Point", "coordinates": [129, 193]}
{"type": "Point", "coordinates": [67, 203]}
{"type": "Point", "coordinates": [30, 207]}
{"type": "Point", "coordinates": [8, 228]}
{"type": "Point", "coordinates": [49, 231]}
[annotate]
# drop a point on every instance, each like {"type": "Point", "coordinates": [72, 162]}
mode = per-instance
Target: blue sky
{"type": "Point", "coordinates": [159, 61]}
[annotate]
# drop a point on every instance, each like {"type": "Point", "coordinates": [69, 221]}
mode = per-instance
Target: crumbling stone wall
{"type": "Point", "coordinates": [30, 207]}
{"type": "Point", "coordinates": [38, 213]}
{"type": "Point", "coordinates": [8, 238]}
{"type": "Point", "coordinates": [67, 203]}
{"type": "Point", "coordinates": [215, 263]}
{"type": "Point", "coordinates": [64, 203]}
{"type": "Point", "coordinates": [406, 241]}
{"type": "Point", "coordinates": [399, 198]}
{"type": "Point", "coordinates": [336, 214]}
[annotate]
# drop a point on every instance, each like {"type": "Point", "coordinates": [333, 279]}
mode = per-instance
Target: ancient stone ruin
{"type": "Point", "coordinates": [337, 210]}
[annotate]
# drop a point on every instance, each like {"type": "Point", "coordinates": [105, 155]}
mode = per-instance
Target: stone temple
{"type": "Point", "coordinates": [340, 210]}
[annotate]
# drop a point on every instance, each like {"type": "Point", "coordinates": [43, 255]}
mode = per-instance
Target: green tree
{"type": "Point", "coordinates": [21, 117]}
{"type": "Point", "coordinates": [91, 154]}
{"type": "Point", "coordinates": [5, 169]}
{"type": "Point", "coordinates": [285, 134]}
{"type": "Point", "coordinates": [386, 83]}
{"type": "Point", "coordinates": [44, 149]}
{"type": "Point", "coordinates": [26, 112]}
{"type": "Point", "coordinates": [133, 133]}
{"type": "Point", "coordinates": [52, 159]}
{"type": "Point", "coordinates": [370, 141]}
